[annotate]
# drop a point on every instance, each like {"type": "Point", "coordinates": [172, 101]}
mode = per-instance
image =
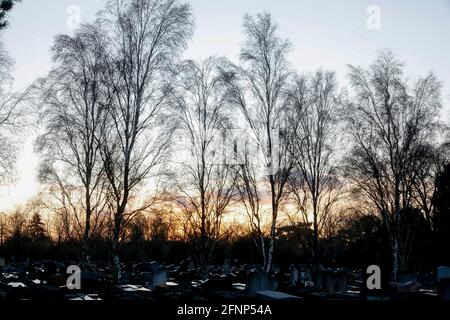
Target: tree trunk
{"type": "Point", "coordinates": [395, 259]}
{"type": "Point", "coordinates": [115, 245]}
{"type": "Point", "coordinates": [87, 230]}
{"type": "Point", "coordinates": [268, 266]}
{"type": "Point", "coordinates": [316, 260]}
{"type": "Point", "coordinates": [263, 250]}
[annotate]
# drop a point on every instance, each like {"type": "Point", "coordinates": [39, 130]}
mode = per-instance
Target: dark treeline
{"type": "Point", "coordinates": [149, 156]}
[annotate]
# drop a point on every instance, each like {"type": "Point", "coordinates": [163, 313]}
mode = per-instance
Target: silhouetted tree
{"type": "Point", "coordinates": [146, 37]}
{"type": "Point", "coordinates": [259, 88]}
{"type": "Point", "coordinates": [13, 117]}
{"type": "Point", "coordinates": [74, 101]}
{"type": "Point", "coordinates": [314, 183]}
{"type": "Point", "coordinates": [441, 204]}
{"type": "Point", "coordinates": [205, 182]}
{"type": "Point", "coordinates": [36, 230]}
{"type": "Point", "coordinates": [248, 186]}
{"type": "Point", "coordinates": [390, 125]}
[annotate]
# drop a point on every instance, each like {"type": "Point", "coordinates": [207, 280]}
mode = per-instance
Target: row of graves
{"type": "Point", "coordinates": [47, 280]}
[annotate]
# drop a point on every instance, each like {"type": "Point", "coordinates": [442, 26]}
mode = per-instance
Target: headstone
{"type": "Point", "coordinates": [159, 277]}
{"type": "Point", "coordinates": [443, 273]}
{"type": "Point", "coordinates": [333, 280]}
{"type": "Point", "coordinates": [2, 262]}
{"type": "Point", "coordinates": [82, 297]}
{"type": "Point", "coordinates": [183, 266]}
{"type": "Point", "coordinates": [152, 274]}
{"type": "Point", "coordinates": [293, 276]}
{"type": "Point", "coordinates": [17, 284]}
{"type": "Point", "coordinates": [276, 295]}
{"type": "Point", "coordinates": [239, 286]}
{"type": "Point", "coordinates": [276, 268]}
{"type": "Point", "coordinates": [133, 288]}
{"type": "Point", "coordinates": [443, 278]}
{"type": "Point", "coordinates": [260, 281]}
{"type": "Point", "coordinates": [226, 267]}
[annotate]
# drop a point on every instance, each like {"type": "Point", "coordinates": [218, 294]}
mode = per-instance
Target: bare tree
{"type": "Point", "coordinates": [74, 102]}
{"type": "Point", "coordinates": [146, 37]}
{"type": "Point", "coordinates": [390, 124]}
{"type": "Point", "coordinates": [248, 185]}
{"type": "Point", "coordinates": [259, 88]}
{"type": "Point", "coordinates": [205, 182]}
{"type": "Point", "coordinates": [13, 116]}
{"type": "Point", "coordinates": [432, 163]}
{"type": "Point", "coordinates": [314, 183]}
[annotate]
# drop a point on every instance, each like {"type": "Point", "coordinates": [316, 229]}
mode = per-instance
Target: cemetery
{"type": "Point", "coordinates": [247, 154]}
{"type": "Point", "coordinates": [153, 281]}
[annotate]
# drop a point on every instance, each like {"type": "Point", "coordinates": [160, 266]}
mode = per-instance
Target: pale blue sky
{"type": "Point", "coordinates": [327, 34]}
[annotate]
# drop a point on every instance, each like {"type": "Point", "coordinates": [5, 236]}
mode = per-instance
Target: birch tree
{"type": "Point", "coordinates": [314, 183]}
{"type": "Point", "coordinates": [206, 183]}
{"type": "Point", "coordinates": [248, 186]}
{"type": "Point", "coordinates": [74, 101]}
{"type": "Point", "coordinates": [390, 123]}
{"type": "Point", "coordinates": [146, 37]}
{"type": "Point", "coordinates": [259, 88]}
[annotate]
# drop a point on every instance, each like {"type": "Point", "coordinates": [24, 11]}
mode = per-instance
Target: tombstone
{"type": "Point", "coordinates": [276, 295]}
{"type": "Point", "coordinates": [293, 276]}
{"type": "Point", "coordinates": [443, 273]}
{"type": "Point", "coordinates": [2, 262]}
{"type": "Point", "coordinates": [82, 297]}
{"type": "Point", "coordinates": [260, 281]}
{"type": "Point", "coordinates": [443, 279]}
{"type": "Point", "coordinates": [133, 288]}
{"type": "Point", "coordinates": [226, 269]}
{"type": "Point", "coordinates": [156, 275]}
{"type": "Point", "coordinates": [133, 292]}
{"type": "Point", "coordinates": [159, 278]}
{"type": "Point", "coordinates": [276, 268]}
{"type": "Point", "coordinates": [333, 280]}
{"type": "Point", "coordinates": [239, 286]}
{"type": "Point", "coordinates": [182, 267]}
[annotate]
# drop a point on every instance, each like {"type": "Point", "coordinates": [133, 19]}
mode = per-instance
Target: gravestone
{"type": "Point", "coordinates": [226, 269]}
{"type": "Point", "coordinates": [443, 279]}
{"type": "Point", "coordinates": [443, 273]}
{"type": "Point", "coordinates": [333, 280]}
{"type": "Point", "coordinates": [159, 274]}
{"type": "Point", "coordinates": [2, 262]}
{"type": "Point", "coordinates": [276, 295]}
{"type": "Point", "coordinates": [293, 276]}
{"type": "Point", "coordinates": [182, 267]}
{"type": "Point", "coordinates": [159, 278]}
{"type": "Point", "coordinates": [276, 268]}
{"type": "Point", "coordinates": [260, 281]}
